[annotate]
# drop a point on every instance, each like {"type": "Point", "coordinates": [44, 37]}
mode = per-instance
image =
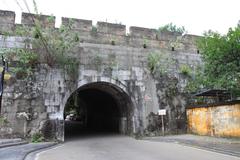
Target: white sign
{"type": "Point", "coordinates": [162, 112]}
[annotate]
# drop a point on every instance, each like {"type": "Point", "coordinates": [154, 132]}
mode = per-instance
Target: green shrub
{"type": "Point", "coordinates": [172, 28]}
{"type": "Point", "coordinates": [185, 70]}
{"type": "Point", "coordinates": [94, 30]}
{"type": "Point", "coordinates": [153, 61]}
{"type": "Point", "coordinates": [159, 63]}
{"type": "Point", "coordinates": [37, 137]}
{"type": "Point", "coordinates": [3, 120]}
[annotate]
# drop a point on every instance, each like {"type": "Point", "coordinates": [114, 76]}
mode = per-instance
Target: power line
{"type": "Point", "coordinates": [26, 4]}
{"type": "Point", "coordinates": [19, 5]}
{"type": "Point", "coordinates": [42, 39]}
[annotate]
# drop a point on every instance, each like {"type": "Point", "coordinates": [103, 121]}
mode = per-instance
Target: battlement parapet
{"type": "Point", "coordinates": [29, 19]}
{"type": "Point", "coordinates": [7, 21]}
{"type": "Point", "coordinates": [78, 24]}
{"type": "Point", "coordinates": [111, 28]}
{"type": "Point", "coordinates": [189, 38]}
{"type": "Point", "coordinates": [7, 16]}
{"type": "Point", "coordinates": [143, 32]}
{"type": "Point", "coordinates": [167, 35]}
{"type": "Point", "coordinates": [105, 33]}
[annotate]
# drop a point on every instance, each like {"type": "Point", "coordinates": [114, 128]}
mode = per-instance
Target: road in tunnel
{"type": "Point", "coordinates": [99, 112]}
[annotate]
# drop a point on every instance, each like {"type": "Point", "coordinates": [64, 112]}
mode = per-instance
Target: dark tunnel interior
{"type": "Point", "coordinates": [91, 111]}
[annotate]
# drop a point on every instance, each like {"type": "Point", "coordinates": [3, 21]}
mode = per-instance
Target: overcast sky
{"type": "Point", "coordinates": [196, 15]}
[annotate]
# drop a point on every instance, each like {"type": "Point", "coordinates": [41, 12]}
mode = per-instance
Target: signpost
{"type": "Point", "coordinates": [162, 112]}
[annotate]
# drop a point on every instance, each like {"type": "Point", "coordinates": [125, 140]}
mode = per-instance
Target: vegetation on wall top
{"type": "Point", "coordinates": [43, 45]}
{"type": "Point", "coordinates": [172, 28]}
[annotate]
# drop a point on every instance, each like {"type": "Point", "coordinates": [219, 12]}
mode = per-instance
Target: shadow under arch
{"type": "Point", "coordinates": [101, 106]}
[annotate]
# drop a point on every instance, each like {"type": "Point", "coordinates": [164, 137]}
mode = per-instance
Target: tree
{"type": "Point", "coordinates": [221, 56]}
{"type": "Point", "coordinates": [43, 44]}
{"type": "Point", "coordinates": [172, 28]}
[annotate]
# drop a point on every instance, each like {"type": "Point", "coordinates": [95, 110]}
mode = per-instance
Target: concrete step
{"type": "Point", "coordinates": [11, 142]}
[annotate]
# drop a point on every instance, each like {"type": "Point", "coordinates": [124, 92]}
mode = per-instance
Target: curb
{"type": "Point", "coordinates": [25, 157]}
{"type": "Point", "coordinates": [206, 148]}
{"type": "Point", "coordinates": [217, 150]}
{"type": "Point", "coordinates": [13, 144]}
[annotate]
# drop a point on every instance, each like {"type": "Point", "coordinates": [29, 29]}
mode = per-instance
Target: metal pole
{"type": "Point", "coordinates": [162, 125]}
{"type": "Point", "coordinates": [2, 80]}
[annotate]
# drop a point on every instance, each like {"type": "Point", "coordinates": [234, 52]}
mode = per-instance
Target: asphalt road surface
{"type": "Point", "coordinates": [20, 151]}
{"type": "Point", "coordinates": [118, 147]}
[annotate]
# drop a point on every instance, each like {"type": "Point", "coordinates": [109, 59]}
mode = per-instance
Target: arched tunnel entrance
{"type": "Point", "coordinates": [98, 107]}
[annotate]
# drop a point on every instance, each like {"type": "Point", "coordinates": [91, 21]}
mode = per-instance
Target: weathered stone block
{"type": "Point", "coordinates": [111, 28]}
{"type": "Point", "coordinates": [143, 32]}
{"type": "Point", "coordinates": [30, 20]}
{"type": "Point", "coordinates": [78, 24]}
{"type": "Point", "coordinates": [7, 21]}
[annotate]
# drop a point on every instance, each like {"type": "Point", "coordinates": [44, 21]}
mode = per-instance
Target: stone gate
{"type": "Point", "coordinates": [37, 105]}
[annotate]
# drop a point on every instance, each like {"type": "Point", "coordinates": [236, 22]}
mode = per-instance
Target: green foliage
{"type": "Point", "coordinates": [145, 43]}
{"type": "Point", "coordinates": [196, 81]}
{"type": "Point", "coordinates": [45, 45]}
{"type": "Point", "coordinates": [97, 61]}
{"type": "Point", "coordinates": [171, 87]}
{"type": "Point", "coordinates": [35, 6]}
{"type": "Point", "coordinates": [94, 30]}
{"type": "Point", "coordinates": [37, 137]}
{"type": "Point", "coordinates": [185, 70]}
{"type": "Point", "coordinates": [159, 63]}
{"type": "Point", "coordinates": [56, 44]}
{"type": "Point", "coordinates": [172, 28]}
{"type": "Point", "coordinates": [112, 62]}
{"type": "Point", "coordinates": [3, 120]}
{"type": "Point", "coordinates": [221, 55]}
{"type": "Point", "coordinates": [26, 60]}
{"type": "Point", "coordinates": [153, 60]}
{"type": "Point", "coordinates": [71, 67]}
{"type": "Point", "coordinates": [176, 43]}
{"type": "Point", "coordinates": [72, 105]}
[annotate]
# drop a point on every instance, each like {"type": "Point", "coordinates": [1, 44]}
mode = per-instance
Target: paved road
{"type": "Point", "coordinates": [229, 146]}
{"type": "Point", "coordinates": [20, 151]}
{"type": "Point", "coordinates": [117, 147]}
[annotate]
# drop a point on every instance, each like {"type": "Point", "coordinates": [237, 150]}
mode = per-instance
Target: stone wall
{"type": "Point", "coordinates": [7, 21]}
{"type": "Point", "coordinates": [33, 105]}
{"type": "Point", "coordinates": [220, 120]}
{"type": "Point", "coordinates": [105, 33]}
